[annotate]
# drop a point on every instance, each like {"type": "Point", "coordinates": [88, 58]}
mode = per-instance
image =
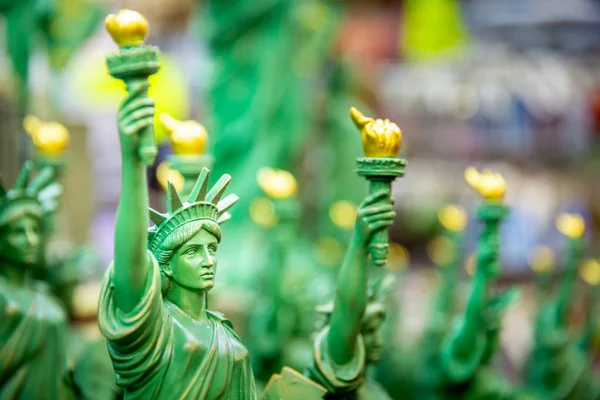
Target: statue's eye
{"type": "Point", "coordinates": [191, 251]}
{"type": "Point", "coordinates": [212, 249]}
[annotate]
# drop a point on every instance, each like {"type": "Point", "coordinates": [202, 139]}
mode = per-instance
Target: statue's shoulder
{"type": "Point", "coordinates": [220, 317]}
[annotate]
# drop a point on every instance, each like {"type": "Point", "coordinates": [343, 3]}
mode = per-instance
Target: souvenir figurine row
{"type": "Point", "coordinates": [161, 340]}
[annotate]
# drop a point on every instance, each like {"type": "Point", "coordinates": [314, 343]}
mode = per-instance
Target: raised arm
{"type": "Point", "coordinates": [351, 290]}
{"type": "Point", "coordinates": [464, 347]}
{"type": "Point", "coordinates": [573, 227]}
{"type": "Point", "coordinates": [130, 266]}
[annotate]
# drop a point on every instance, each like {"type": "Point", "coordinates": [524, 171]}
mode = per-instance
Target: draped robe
{"type": "Point", "coordinates": [159, 352]}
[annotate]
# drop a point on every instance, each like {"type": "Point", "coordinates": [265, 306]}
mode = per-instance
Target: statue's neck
{"type": "Point", "coordinates": [16, 273]}
{"type": "Point", "coordinates": [193, 303]}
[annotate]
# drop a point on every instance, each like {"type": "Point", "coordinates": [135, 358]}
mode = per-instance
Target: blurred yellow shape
{"type": "Point", "coordinates": [48, 137]}
{"type": "Point", "coordinates": [542, 260]}
{"type": "Point", "coordinates": [380, 138]}
{"type": "Point", "coordinates": [328, 251]}
{"type": "Point", "coordinates": [453, 217]}
{"type": "Point", "coordinates": [276, 183]}
{"type": "Point", "coordinates": [164, 174]}
{"type": "Point", "coordinates": [490, 185]}
{"type": "Point", "coordinates": [590, 272]}
{"type": "Point", "coordinates": [97, 90]}
{"type": "Point", "coordinates": [187, 137]}
{"type": "Point", "coordinates": [398, 257]}
{"type": "Point", "coordinates": [570, 225]}
{"type": "Point", "coordinates": [471, 264]}
{"type": "Point", "coordinates": [262, 212]}
{"type": "Point", "coordinates": [343, 214]}
{"type": "Point", "coordinates": [440, 250]}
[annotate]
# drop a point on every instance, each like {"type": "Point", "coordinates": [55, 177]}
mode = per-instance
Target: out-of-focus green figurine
{"type": "Point", "coordinates": [34, 325]}
{"type": "Point", "coordinates": [590, 274]}
{"type": "Point", "coordinates": [558, 367]}
{"type": "Point", "coordinates": [445, 252]}
{"type": "Point", "coordinates": [463, 369]}
{"type": "Point", "coordinates": [91, 375]}
{"type": "Point", "coordinates": [350, 339]}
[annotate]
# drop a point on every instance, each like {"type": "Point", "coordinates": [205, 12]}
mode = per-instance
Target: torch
{"type": "Point", "coordinates": [381, 142]}
{"type": "Point", "coordinates": [133, 64]}
{"type": "Point", "coordinates": [50, 140]}
{"type": "Point", "coordinates": [188, 140]}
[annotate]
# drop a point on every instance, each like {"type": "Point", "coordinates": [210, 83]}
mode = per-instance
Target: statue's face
{"type": "Point", "coordinates": [194, 264]}
{"type": "Point", "coordinates": [20, 240]}
{"type": "Point", "coordinates": [371, 333]}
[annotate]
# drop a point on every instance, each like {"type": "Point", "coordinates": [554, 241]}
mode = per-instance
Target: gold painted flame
{"type": "Point", "coordinates": [164, 174]}
{"type": "Point", "coordinates": [187, 137]}
{"type": "Point", "coordinates": [127, 28]}
{"type": "Point", "coordinates": [453, 217]}
{"type": "Point", "coordinates": [276, 183]}
{"type": "Point", "coordinates": [490, 185]}
{"type": "Point", "coordinates": [542, 260]}
{"type": "Point", "coordinates": [49, 138]}
{"type": "Point", "coordinates": [590, 272]}
{"type": "Point", "coordinates": [570, 225]}
{"type": "Point", "coordinates": [380, 137]}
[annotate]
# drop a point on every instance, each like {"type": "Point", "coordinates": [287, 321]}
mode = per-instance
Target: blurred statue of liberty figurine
{"type": "Point", "coordinates": [33, 326]}
{"type": "Point", "coordinates": [163, 341]}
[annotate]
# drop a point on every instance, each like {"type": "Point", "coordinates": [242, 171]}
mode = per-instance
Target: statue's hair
{"type": "Point", "coordinates": [165, 251]}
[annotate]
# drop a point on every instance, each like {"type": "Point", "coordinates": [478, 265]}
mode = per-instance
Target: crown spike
{"type": "Point", "coordinates": [217, 191]}
{"type": "Point", "coordinates": [156, 217]}
{"type": "Point", "coordinates": [198, 193]}
{"type": "Point", "coordinates": [23, 177]}
{"type": "Point", "coordinates": [227, 202]}
{"type": "Point", "coordinates": [224, 218]}
{"type": "Point", "coordinates": [43, 179]}
{"type": "Point", "coordinates": [174, 202]}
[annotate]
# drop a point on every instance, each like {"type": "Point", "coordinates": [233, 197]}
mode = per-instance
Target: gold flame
{"type": "Point", "coordinates": [127, 28]}
{"type": "Point", "coordinates": [542, 260]}
{"type": "Point", "coordinates": [48, 137]}
{"type": "Point", "coordinates": [453, 217]}
{"type": "Point", "coordinates": [380, 137]}
{"type": "Point", "coordinates": [187, 137]}
{"type": "Point", "coordinates": [164, 174]}
{"type": "Point", "coordinates": [570, 225]}
{"type": "Point", "coordinates": [590, 272]}
{"type": "Point", "coordinates": [276, 183]}
{"type": "Point", "coordinates": [490, 185]}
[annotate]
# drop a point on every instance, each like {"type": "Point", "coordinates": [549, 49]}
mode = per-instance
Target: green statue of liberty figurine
{"type": "Point", "coordinates": [351, 337]}
{"type": "Point", "coordinates": [33, 332]}
{"type": "Point", "coordinates": [163, 341]}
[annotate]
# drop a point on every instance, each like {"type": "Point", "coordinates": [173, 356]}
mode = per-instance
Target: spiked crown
{"type": "Point", "coordinates": [202, 204]}
{"type": "Point", "coordinates": [27, 198]}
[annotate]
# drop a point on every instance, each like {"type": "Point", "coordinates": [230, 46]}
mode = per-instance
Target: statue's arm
{"type": "Point", "coordinates": [131, 264]}
{"type": "Point", "coordinates": [350, 298]}
{"type": "Point", "coordinates": [470, 324]}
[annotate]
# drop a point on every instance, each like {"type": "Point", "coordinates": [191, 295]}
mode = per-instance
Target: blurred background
{"type": "Point", "coordinates": [509, 85]}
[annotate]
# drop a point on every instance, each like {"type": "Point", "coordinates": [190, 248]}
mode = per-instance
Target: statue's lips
{"type": "Point", "coordinates": [207, 275]}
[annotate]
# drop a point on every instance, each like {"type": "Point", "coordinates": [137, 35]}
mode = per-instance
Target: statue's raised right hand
{"type": "Point", "coordinates": [374, 213]}
{"type": "Point", "coordinates": [135, 115]}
